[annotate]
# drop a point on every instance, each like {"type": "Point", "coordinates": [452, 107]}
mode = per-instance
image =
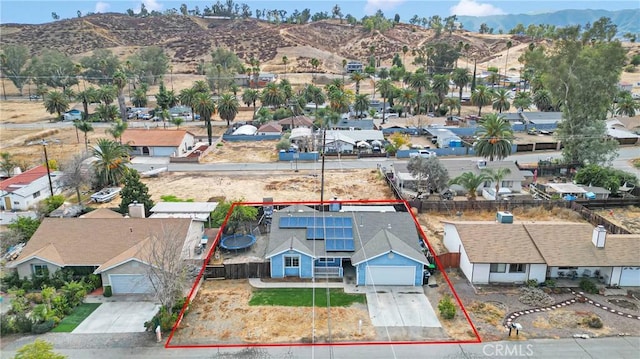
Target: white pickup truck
{"type": "Point", "coordinates": [423, 154]}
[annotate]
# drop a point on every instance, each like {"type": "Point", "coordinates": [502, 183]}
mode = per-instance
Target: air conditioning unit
{"type": "Point", "coordinates": [504, 217]}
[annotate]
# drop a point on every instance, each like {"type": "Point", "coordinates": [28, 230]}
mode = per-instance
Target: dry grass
{"type": "Point", "coordinates": [487, 312]}
{"type": "Point", "coordinates": [628, 217]}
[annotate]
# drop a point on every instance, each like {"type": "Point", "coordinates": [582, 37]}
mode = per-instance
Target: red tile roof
{"type": "Point", "coordinates": [23, 179]}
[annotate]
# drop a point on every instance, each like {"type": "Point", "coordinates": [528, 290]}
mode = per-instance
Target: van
{"type": "Point", "coordinates": [423, 154]}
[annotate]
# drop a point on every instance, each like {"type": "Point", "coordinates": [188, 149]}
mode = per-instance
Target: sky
{"type": "Point", "coordinates": [37, 12]}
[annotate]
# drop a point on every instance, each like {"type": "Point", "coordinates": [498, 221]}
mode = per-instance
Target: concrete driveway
{"type": "Point", "coordinates": [118, 317]}
{"type": "Point", "coordinates": [400, 307]}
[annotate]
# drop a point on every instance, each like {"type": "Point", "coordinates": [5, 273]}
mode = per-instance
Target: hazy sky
{"type": "Point", "coordinates": [35, 12]}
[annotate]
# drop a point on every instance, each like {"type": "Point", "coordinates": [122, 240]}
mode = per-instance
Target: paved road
{"type": "Point", "coordinates": [103, 347]}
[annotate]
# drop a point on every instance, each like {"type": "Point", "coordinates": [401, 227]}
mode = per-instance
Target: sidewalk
{"type": "Point", "coordinates": [320, 283]}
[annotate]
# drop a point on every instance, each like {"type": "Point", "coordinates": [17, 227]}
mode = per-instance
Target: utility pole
{"type": "Point", "coordinates": [46, 162]}
{"type": "Point", "coordinates": [324, 143]}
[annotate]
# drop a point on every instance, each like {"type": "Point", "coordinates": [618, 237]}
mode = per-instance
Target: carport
{"type": "Point", "coordinates": [118, 317]}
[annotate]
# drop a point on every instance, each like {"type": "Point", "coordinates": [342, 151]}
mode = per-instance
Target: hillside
{"type": "Point", "coordinates": [189, 40]}
{"type": "Point", "coordinates": [626, 20]}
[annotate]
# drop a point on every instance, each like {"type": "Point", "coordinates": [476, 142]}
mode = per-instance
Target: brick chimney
{"type": "Point", "coordinates": [599, 236]}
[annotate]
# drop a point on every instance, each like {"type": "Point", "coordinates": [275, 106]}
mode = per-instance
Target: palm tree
{"type": "Point", "coordinates": [250, 96]}
{"type": "Point", "coordinates": [506, 60]}
{"type": "Point", "coordinates": [187, 97]}
{"type": "Point", "coordinates": [627, 106]}
{"type": "Point", "coordinates": [107, 94]}
{"type": "Point", "coordinates": [419, 81]}
{"type": "Point", "coordinates": [495, 137]}
{"type": "Point", "coordinates": [493, 78]}
{"type": "Point", "coordinates": [272, 95]}
{"type": "Point", "coordinates": [262, 116]}
{"type": "Point", "coordinates": [543, 101]}
{"type": "Point", "coordinates": [361, 103]}
{"type": "Point", "coordinates": [357, 77]}
{"type": "Point", "coordinates": [177, 121]}
{"type": "Point", "coordinates": [385, 87]}
{"type": "Point", "coordinates": [111, 162]}
{"type": "Point", "coordinates": [339, 101]}
{"type": "Point", "coordinates": [205, 106]}
{"type": "Point", "coordinates": [285, 61]}
{"type": "Point", "coordinates": [85, 127]}
{"type": "Point", "coordinates": [522, 100]}
{"type": "Point", "coordinates": [139, 97]}
{"type": "Point", "coordinates": [228, 107]}
{"type": "Point", "coordinates": [314, 94]}
{"type": "Point", "coordinates": [481, 97]}
{"type": "Point", "coordinates": [56, 102]}
{"type": "Point", "coordinates": [201, 86]}
{"type": "Point", "coordinates": [117, 129]}
{"type": "Point", "coordinates": [107, 113]}
{"type": "Point", "coordinates": [405, 49]}
{"type": "Point", "coordinates": [497, 175]}
{"type": "Point", "coordinates": [461, 78]}
{"type": "Point", "coordinates": [87, 96]}
{"type": "Point", "coordinates": [408, 99]}
{"type": "Point", "coordinates": [501, 100]}
{"type": "Point", "coordinates": [440, 86]}
{"type": "Point", "coordinates": [451, 103]}
{"type": "Point", "coordinates": [344, 68]}
{"type": "Point", "coordinates": [119, 82]}
{"type": "Point", "coordinates": [470, 182]}
{"type": "Point", "coordinates": [315, 63]}
{"type": "Point", "coordinates": [430, 100]}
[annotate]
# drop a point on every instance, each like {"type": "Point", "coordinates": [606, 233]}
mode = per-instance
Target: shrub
{"type": "Point", "coordinates": [34, 297]}
{"type": "Point", "coordinates": [6, 325]}
{"type": "Point", "coordinates": [532, 283]}
{"type": "Point", "coordinates": [74, 292]}
{"type": "Point", "coordinates": [42, 327]}
{"type": "Point", "coordinates": [9, 281]}
{"type": "Point", "coordinates": [588, 286]}
{"type": "Point", "coordinates": [22, 323]}
{"type": "Point", "coordinates": [93, 282]}
{"type": "Point", "coordinates": [535, 297]}
{"type": "Point", "coordinates": [447, 308]}
{"type": "Point", "coordinates": [60, 306]}
{"type": "Point", "coordinates": [550, 283]}
{"type": "Point", "coordinates": [51, 204]}
{"type": "Point", "coordinates": [107, 291]}
{"type": "Point", "coordinates": [593, 321]}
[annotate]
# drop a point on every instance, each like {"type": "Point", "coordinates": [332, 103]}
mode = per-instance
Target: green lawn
{"type": "Point", "coordinates": [303, 297]}
{"type": "Point", "coordinates": [71, 321]}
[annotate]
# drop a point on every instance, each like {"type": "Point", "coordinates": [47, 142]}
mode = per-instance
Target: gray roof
{"type": "Point", "coordinates": [459, 166]}
{"type": "Point", "coordinates": [542, 117]}
{"type": "Point", "coordinates": [356, 124]}
{"type": "Point", "coordinates": [366, 228]}
{"type": "Point", "coordinates": [358, 135]}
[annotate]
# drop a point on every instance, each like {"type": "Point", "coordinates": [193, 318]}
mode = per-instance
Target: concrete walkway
{"type": "Point", "coordinates": [258, 283]}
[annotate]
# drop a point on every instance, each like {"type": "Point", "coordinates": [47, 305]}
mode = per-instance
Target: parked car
{"type": "Point", "coordinates": [73, 115]}
{"type": "Point", "coordinates": [34, 97]}
{"type": "Point", "coordinates": [423, 154]}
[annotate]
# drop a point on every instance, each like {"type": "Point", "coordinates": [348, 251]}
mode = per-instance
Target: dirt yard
{"type": "Point", "coordinates": [628, 217]}
{"type": "Point", "coordinates": [221, 313]}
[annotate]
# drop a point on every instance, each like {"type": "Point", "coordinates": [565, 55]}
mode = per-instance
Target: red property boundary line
{"type": "Point", "coordinates": [196, 283]}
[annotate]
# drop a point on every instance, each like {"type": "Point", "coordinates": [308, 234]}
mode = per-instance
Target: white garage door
{"type": "Point", "coordinates": [130, 284]}
{"type": "Point", "coordinates": [383, 275]}
{"type": "Point", "coordinates": [630, 277]}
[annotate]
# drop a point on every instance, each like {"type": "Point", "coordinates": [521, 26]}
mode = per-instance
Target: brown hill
{"type": "Point", "coordinates": [190, 39]}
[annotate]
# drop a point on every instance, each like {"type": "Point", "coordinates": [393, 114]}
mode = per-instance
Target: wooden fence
{"type": "Point", "coordinates": [449, 260]}
{"type": "Point", "coordinates": [238, 271]}
{"type": "Point", "coordinates": [596, 219]}
{"type": "Point", "coordinates": [459, 206]}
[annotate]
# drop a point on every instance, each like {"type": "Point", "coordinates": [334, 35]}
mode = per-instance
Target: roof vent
{"type": "Point", "coordinates": [389, 226]}
{"type": "Point", "coordinates": [504, 217]}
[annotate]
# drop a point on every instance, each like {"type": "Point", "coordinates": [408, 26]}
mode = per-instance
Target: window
{"type": "Point", "coordinates": [567, 268]}
{"type": "Point", "coordinates": [325, 260]}
{"type": "Point", "coordinates": [39, 270]}
{"type": "Point", "coordinates": [290, 261]}
{"type": "Point", "coordinates": [497, 268]}
{"type": "Point", "coordinates": [36, 194]}
{"type": "Point", "coordinates": [517, 268]}
{"type": "Point", "coordinates": [507, 184]}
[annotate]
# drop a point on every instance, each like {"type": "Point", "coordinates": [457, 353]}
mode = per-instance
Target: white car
{"type": "Point", "coordinates": [73, 115]}
{"type": "Point", "coordinates": [423, 154]}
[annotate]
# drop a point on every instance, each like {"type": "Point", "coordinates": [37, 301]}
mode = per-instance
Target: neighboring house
{"type": "Point", "coordinates": [492, 252]}
{"type": "Point", "coordinates": [445, 138]}
{"type": "Point", "coordinates": [116, 248]}
{"type": "Point", "coordinates": [576, 191]}
{"type": "Point", "coordinates": [295, 122]}
{"type": "Point", "coordinates": [249, 81]}
{"type": "Point", "coordinates": [380, 247]}
{"type": "Point", "coordinates": [542, 118]}
{"type": "Point", "coordinates": [345, 124]}
{"type": "Point", "coordinates": [513, 181]}
{"type": "Point", "coordinates": [24, 191]}
{"type": "Point", "coordinates": [337, 142]}
{"type": "Point", "coordinates": [159, 143]}
{"type": "Point", "coordinates": [270, 128]}
{"type": "Point", "coordinates": [354, 66]}
{"type": "Point", "coordinates": [618, 131]}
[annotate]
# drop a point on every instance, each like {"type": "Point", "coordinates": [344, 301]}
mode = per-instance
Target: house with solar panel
{"type": "Point", "coordinates": [374, 245]}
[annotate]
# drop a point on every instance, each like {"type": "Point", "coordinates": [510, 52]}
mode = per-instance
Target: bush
{"type": "Point", "coordinates": [588, 286]}
{"type": "Point", "coordinates": [22, 323]}
{"type": "Point", "coordinates": [6, 325]}
{"type": "Point", "coordinates": [593, 321]}
{"type": "Point", "coordinates": [535, 297]}
{"type": "Point", "coordinates": [52, 203]}
{"type": "Point", "coordinates": [550, 283]}
{"type": "Point", "coordinates": [93, 282]}
{"type": "Point", "coordinates": [42, 327]}
{"type": "Point", "coordinates": [447, 308]}
{"type": "Point", "coordinates": [34, 297]}
{"type": "Point", "coordinates": [107, 291]}
{"type": "Point", "coordinates": [10, 280]}
{"type": "Point", "coordinates": [532, 283]}
{"type": "Point", "coordinates": [26, 285]}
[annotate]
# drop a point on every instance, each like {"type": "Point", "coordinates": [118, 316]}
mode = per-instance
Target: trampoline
{"type": "Point", "coordinates": [237, 241]}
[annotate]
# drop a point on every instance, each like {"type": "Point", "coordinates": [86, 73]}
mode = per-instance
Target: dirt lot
{"type": "Point", "coordinates": [628, 217]}
{"type": "Point", "coordinates": [221, 314]}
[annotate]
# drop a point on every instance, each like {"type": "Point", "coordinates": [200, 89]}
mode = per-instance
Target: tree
{"type": "Point", "coordinates": [470, 182]}
{"type": "Point", "coordinates": [451, 103]}
{"type": "Point", "coordinates": [496, 176]}
{"type": "Point", "coordinates": [627, 106]}
{"type": "Point", "coordinates": [315, 63]}
{"type": "Point", "coordinates": [134, 191]}
{"type": "Point", "coordinates": [481, 97]}
{"type": "Point", "coordinates": [100, 66]}
{"type": "Point", "coordinates": [13, 62]}
{"type": "Point", "coordinates": [111, 162]}
{"type": "Point", "coordinates": [205, 106]}
{"type": "Point", "coordinates": [119, 82]}
{"type": "Point", "coordinates": [85, 127]}
{"type": "Point", "coordinates": [187, 97]}
{"type": "Point", "coordinates": [501, 100]}
{"type": "Point", "coordinates": [228, 107]}
{"type": "Point", "coordinates": [430, 174]}
{"type": "Point", "coordinates": [314, 94]}
{"type": "Point", "coordinates": [117, 129]}
{"type": "Point", "coordinates": [361, 103]}
{"type": "Point", "coordinates": [149, 64]}
{"type": "Point", "coordinates": [385, 87]}
{"type": "Point", "coordinates": [8, 164]}
{"type": "Point", "coordinates": [87, 96]}
{"type": "Point", "coordinates": [54, 69]}
{"type": "Point", "coordinates": [25, 226]}
{"type": "Point", "coordinates": [495, 137]}
{"type": "Point", "coordinates": [56, 102]}
{"type": "Point", "coordinates": [522, 100]}
{"type": "Point", "coordinates": [75, 174]}
{"type": "Point", "coordinates": [272, 95]}
{"type": "Point", "coordinates": [239, 217]}
{"type": "Point", "coordinates": [39, 349]}
{"type": "Point", "coordinates": [408, 99]}
{"type": "Point", "coordinates": [506, 60]}
{"type": "Point", "coordinates": [440, 85]}
{"type": "Point", "coordinates": [460, 78]}
{"type": "Point", "coordinates": [177, 121]}
{"type": "Point", "coordinates": [165, 99]}
{"type": "Point", "coordinates": [606, 177]}
{"type": "Point", "coordinates": [357, 77]}
{"type": "Point", "coordinates": [543, 101]}
{"type": "Point", "coordinates": [419, 81]}
{"type": "Point", "coordinates": [285, 61]}
{"type": "Point", "coordinates": [107, 113]}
